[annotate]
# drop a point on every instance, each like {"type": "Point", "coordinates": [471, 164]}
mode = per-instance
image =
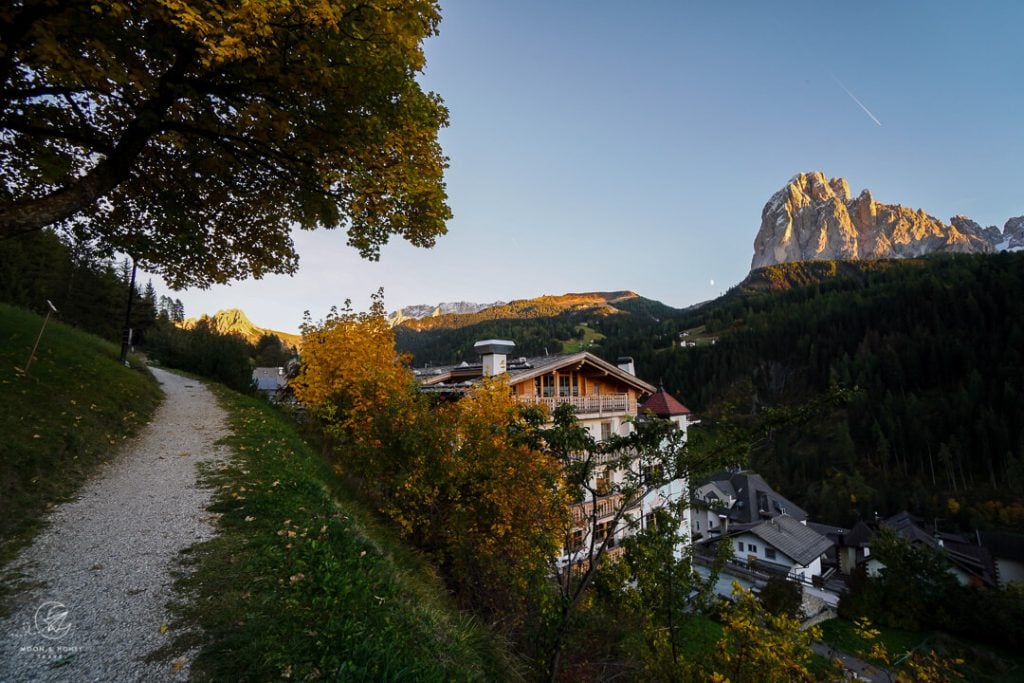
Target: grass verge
{"type": "Point", "coordinates": [302, 584]}
{"type": "Point", "coordinates": [982, 663]}
{"type": "Point", "coordinates": [63, 418]}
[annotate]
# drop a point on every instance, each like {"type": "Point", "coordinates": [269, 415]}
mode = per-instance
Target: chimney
{"type": "Point", "coordinates": [626, 363]}
{"type": "Point", "coordinates": [493, 355]}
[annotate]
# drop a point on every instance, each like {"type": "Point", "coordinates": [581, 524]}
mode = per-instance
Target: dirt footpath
{"type": "Point", "coordinates": [100, 576]}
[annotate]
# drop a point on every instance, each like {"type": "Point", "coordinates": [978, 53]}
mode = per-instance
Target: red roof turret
{"type": "Point", "coordinates": [663, 404]}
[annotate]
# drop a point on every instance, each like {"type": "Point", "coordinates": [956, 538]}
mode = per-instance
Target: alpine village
{"type": "Point", "coordinates": [817, 475]}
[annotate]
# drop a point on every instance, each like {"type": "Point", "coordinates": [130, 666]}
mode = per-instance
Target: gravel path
{"type": "Point", "coordinates": [106, 559]}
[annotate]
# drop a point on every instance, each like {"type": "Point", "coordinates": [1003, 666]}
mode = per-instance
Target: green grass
{"type": "Point", "coordinates": [585, 343]}
{"type": "Point", "coordinates": [71, 411]}
{"type": "Point", "coordinates": [700, 636]}
{"type": "Point", "coordinates": [303, 583]}
{"type": "Point", "coordinates": [982, 663]}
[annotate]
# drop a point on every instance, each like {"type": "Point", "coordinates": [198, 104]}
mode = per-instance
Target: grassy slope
{"type": "Point", "coordinates": [60, 421]}
{"type": "Point", "coordinates": [302, 583]}
{"type": "Point", "coordinates": [982, 663]}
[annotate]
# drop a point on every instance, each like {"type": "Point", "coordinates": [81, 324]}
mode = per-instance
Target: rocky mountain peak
{"type": "Point", "coordinates": [815, 218]}
{"type": "Point", "coordinates": [235, 321]}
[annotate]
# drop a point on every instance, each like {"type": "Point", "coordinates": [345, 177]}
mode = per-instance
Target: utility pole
{"type": "Point", "coordinates": [126, 339]}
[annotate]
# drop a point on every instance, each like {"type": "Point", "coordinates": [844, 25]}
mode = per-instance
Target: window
{"type": "Point", "coordinates": [751, 548]}
{"type": "Point", "coordinates": [769, 553]}
{"type": "Point", "coordinates": [605, 531]}
{"type": "Point", "coordinates": [547, 385]}
{"type": "Point", "coordinates": [606, 431]}
{"type": "Point", "coordinates": [739, 546]}
{"type": "Point", "coordinates": [576, 541]}
{"type": "Point", "coordinates": [568, 385]}
{"type": "Point", "coordinates": [604, 482]}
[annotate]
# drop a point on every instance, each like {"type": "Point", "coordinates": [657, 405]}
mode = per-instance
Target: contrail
{"type": "Point", "coordinates": [854, 98]}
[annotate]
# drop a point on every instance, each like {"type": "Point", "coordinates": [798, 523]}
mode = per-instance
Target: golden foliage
{"type": "Point", "coordinates": [758, 646]}
{"type": "Point", "coordinates": [913, 667]}
{"type": "Point", "coordinates": [461, 479]}
{"type": "Point", "coordinates": [349, 366]}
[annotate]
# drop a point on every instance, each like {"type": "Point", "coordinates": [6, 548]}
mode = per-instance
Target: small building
{"type": "Point", "coordinates": [972, 564]}
{"type": "Point", "coordinates": [780, 545]}
{"type": "Point", "coordinates": [269, 380]}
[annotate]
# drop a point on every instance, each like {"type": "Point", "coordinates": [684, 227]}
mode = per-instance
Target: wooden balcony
{"type": "Point", "coordinates": [604, 404]}
{"type": "Point", "coordinates": [605, 458]}
{"type": "Point", "coordinates": [606, 506]}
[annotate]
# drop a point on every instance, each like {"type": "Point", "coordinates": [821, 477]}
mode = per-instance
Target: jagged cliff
{"type": "Point", "coordinates": [235, 321]}
{"type": "Point", "coordinates": [813, 218]}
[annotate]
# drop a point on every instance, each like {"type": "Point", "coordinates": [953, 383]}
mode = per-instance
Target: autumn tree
{"type": "Point", "coordinates": [760, 647]}
{"type": "Point", "coordinates": [464, 480]}
{"type": "Point", "coordinates": [919, 665]}
{"type": "Point", "coordinates": [609, 481]}
{"type": "Point", "coordinates": [193, 134]}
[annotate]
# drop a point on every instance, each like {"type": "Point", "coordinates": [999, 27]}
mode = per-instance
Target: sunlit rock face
{"type": "Point", "coordinates": [814, 218]}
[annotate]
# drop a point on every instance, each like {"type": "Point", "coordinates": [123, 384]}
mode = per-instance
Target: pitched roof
{"type": "Point", "coordinates": [755, 499]}
{"type": "Point", "coordinates": [860, 535]}
{"type": "Point", "coordinates": [663, 404]}
{"type": "Point", "coordinates": [792, 538]}
{"type": "Point", "coordinates": [460, 377]}
{"type": "Point", "coordinates": [974, 560]}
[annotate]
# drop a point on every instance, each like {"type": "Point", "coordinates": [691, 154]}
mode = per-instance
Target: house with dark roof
{"type": "Point", "coordinates": [608, 399]}
{"type": "Point", "coordinates": [736, 497]}
{"type": "Point", "coordinates": [766, 530]}
{"type": "Point", "coordinates": [852, 547]}
{"type": "Point", "coordinates": [971, 563]}
{"type": "Point", "coordinates": [782, 545]}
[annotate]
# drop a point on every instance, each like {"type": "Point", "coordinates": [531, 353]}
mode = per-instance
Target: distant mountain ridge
{"type": "Point", "coordinates": [545, 324]}
{"type": "Point", "coordinates": [234, 321]}
{"type": "Point", "coordinates": [814, 218]}
{"type": "Point", "coordinates": [602, 303]}
{"type": "Point", "coordinates": [420, 311]}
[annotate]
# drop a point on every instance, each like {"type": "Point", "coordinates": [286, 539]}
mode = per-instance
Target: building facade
{"type": "Point", "coordinates": [608, 400]}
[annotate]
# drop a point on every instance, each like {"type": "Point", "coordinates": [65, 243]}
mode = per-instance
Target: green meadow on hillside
{"type": "Point", "coordinates": [69, 413]}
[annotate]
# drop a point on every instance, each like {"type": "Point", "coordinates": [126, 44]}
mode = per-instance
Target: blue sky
{"type": "Point", "coordinates": [608, 145]}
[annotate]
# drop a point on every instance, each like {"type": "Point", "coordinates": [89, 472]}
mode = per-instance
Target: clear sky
{"type": "Point", "coordinates": [608, 145]}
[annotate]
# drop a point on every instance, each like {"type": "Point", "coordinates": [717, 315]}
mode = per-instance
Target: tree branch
{"type": "Point", "coordinates": [29, 215]}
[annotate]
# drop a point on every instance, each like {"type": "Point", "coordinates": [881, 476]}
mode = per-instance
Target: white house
{"type": "Point", "coordinates": [782, 545]}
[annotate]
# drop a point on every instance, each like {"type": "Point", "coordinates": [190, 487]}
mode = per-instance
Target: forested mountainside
{"type": "Point", "coordinates": [547, 324]}
{"type": "Point", "coordinates": [933, 346]}
{"type": "Point", "coordinates": [935, 350]}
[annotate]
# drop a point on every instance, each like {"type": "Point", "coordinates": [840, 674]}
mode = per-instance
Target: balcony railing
{"type": "Point", "coordinates": [605, 506]}
{"type": "Point", "coordinates": [585, 405]}
{"type": "Point", "coordinates": [605, 458]}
